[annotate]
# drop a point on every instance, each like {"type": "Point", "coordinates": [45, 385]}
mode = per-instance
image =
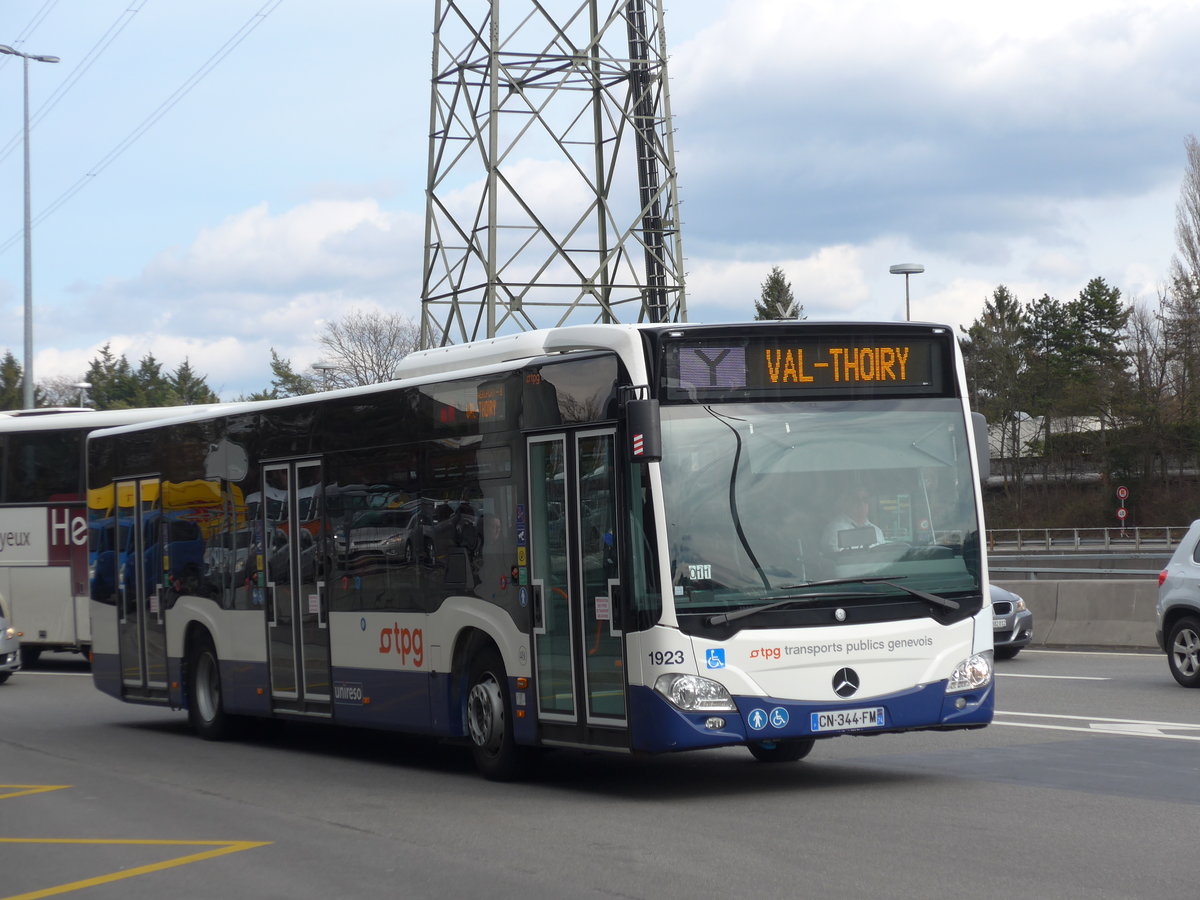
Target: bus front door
{"type": "Point", "coordinates": [296, 599]}
{"type": "Point", "coordinates": [142, 561]}
{"type": "Point", "coordinates": [573, 540]}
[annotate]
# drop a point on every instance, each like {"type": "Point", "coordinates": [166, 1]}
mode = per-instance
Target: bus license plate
{"type": "Point", "coordinates": [840, 719]}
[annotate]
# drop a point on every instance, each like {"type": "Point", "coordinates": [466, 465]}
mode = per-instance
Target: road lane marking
{"type": "Point", "coordinates": [1058, 677]}
{"type": "Point", "coordinates": [222, 848]}
{"type": "Point", "coordinates": [1102, 725]}
{"type": "Point", "coordinates": [24, 790]}
{"type": "Point", "coordinates": [24, 672]}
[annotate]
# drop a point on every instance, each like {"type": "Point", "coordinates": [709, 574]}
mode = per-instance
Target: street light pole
{"type": "Point", "coordinates": [906, 269]}
{"type": "Point", "coordinates": [324, 368]}
{"type": "Point", "coordinates": [27, 386]}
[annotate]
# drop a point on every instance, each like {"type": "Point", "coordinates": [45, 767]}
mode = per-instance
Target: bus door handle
{"type": "Point", "coordinates": [322, 612]}
{"type": "Point", "coordinates": [615, 596]}
{"type": "Point", "coordinates": [272, 619]}
{"type": "Point", "coordinates": [538, 613]}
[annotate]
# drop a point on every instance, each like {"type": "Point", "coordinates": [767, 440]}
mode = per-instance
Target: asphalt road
{"type": "Point", "coordinates": [1087, 786]}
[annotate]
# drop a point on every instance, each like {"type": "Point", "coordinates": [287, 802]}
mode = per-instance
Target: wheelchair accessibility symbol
{"type": "Point", "coordinates": [716, 658]}
{"type": "Point", "coordinates": [779, 717]}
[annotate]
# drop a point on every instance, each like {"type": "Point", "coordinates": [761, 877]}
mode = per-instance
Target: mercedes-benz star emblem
{"type": "Point", "coordinates": [845, 682]}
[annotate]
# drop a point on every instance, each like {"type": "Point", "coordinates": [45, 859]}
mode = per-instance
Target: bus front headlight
{"type": "Point", "coordinates": [691, 693]}
{"type": "Point", "coordinates": [972, 673]}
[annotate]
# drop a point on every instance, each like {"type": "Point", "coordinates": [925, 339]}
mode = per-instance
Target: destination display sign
{"type": "Point", "coordinates": [794, 365]}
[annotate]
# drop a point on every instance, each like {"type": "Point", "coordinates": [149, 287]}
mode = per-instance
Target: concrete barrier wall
{"type": "Point", "coordinates": [1106, 614]}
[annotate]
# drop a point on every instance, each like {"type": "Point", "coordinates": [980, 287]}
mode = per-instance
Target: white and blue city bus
{"type": "Point", "coordinates": [611, 537]}
{"type": "Point", "coordinates": [44, 561]}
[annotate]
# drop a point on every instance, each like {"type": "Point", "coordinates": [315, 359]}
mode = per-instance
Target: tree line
{"type": "Point", "coordinates": [1095, 388]}
{"type": "Point", "coordinates": [360, 349]}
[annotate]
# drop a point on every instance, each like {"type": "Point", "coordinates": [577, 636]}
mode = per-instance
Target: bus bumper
{"type": "Point", "coordinates": [659, 727]}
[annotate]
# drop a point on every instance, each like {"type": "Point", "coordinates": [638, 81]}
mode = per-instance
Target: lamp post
{"type": "Point", "coordinates": [84, 387]}
{"type": "Point", "coordinates": [27, 387]}
{"type": "Point", "coordinates": [324, 368]}
{"type": "Point", "coordinates": [906, 269]}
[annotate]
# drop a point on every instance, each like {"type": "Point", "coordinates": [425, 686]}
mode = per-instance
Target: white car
{"type": "Point", "coordinates": [1177, 628]}
{"type": "Point", "coordinates": [10, 645]}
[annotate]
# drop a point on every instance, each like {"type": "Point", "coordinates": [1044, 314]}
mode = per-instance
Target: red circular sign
{"type": "Point", "coordinates": [1122, 492]}
{"type": "Point", "coordinates": [1122, 513]}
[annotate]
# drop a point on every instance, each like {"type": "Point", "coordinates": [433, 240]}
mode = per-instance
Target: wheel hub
{"type": "Point", "coordinates": [485, 713]}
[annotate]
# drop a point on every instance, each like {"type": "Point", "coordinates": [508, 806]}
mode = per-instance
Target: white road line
{"type": "Point", "coordinates": [1173, 737]}
{"type": "Point", "coordinates": [1102, 725]}
{"type": "Point", "coordinates": [1033, 715]}
{"type": "Point", "coordinates": [1058, 677]}
{"type": "Point", "coordinates": [1126, 653]}
{"type": "Point", "coordinates": [21, 673]}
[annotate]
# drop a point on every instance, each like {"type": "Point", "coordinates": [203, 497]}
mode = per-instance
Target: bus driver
{"type": "Point", "coordinates": [851, 529]}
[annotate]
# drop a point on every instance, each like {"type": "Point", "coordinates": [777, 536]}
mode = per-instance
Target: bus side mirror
{"type": "Point", "coordinates": [643, 431]}
{"type": "Point", "coordinates": [982, 448]}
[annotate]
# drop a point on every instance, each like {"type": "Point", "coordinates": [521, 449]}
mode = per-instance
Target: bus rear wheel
{"type": "Point", "coordinates": [489, 720]}
{"type": "Point", "coordinates": [206, 708]}
{"type": "Point", "coordinates": [781, 751]}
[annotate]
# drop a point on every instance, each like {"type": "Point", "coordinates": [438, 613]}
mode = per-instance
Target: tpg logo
{"type": "Point", "coordinates": [407, 642]}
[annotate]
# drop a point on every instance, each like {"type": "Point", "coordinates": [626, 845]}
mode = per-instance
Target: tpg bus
{"type": "Point", "coordinates": [44, 565]}
{"type": "Point", "coordinates": [628, 537]}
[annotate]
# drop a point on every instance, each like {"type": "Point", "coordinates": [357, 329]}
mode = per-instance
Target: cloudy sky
{"type": "Point", "coordinates": [213, 180]}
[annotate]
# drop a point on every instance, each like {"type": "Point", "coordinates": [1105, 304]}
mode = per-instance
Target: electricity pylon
{"type": "Point", "coordinates": [551, 197]}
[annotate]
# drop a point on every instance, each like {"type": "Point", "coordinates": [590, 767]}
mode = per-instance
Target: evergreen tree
{"type": "Point", "coordinates": [189, 387]}
{"type": "Point", "coordinates": [996, 359]}
{"type": "Point", "coordinates": [10, 382]}
{"type": "Point", "coordinates": [112, 380]}
{"type": "Point", "coordinates": [776, 300]}
{"type": "Point", "coordinates": [117, 385]}
{"type": "Point", "coordinates": [286, 382]}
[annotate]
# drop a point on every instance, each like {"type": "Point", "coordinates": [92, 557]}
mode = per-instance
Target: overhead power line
{"type": "Point", "coordinates": [89, 59]}
{"type": "Point", "coordinates": [182, 91]}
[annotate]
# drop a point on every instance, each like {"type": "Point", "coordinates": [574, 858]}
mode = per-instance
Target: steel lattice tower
{"type": "Point", "coordinates": [551, 197]}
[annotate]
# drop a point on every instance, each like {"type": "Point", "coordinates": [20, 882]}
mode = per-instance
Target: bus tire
{"type": "Point", "coordinates": [206, 708]}
{"type": "Point", "coordinates": [1183, 651]}
{"type": "Point", "coordinates": [781, 751]}
{"type": "Point", "coordinates": [489, 719]}
{"type": "Point", "coordinates": [30, 656]}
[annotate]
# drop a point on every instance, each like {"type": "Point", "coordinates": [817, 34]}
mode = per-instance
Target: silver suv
{"type": "Point", "coordinates": [1177, 616]}
{"type": "Point", "coordinates": [10, 645]}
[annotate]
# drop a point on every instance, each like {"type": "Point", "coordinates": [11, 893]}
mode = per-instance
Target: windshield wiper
{"type": "Point", "coordinates": [924, 595]}
{"type": "Point", "coordinates": [890, 581]}
{"type": "Point", "coordinates": [723, 618]}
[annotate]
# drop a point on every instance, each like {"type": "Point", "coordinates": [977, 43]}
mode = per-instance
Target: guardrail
{"type": "Point", "coordinates": [1139, 538]}
{"type": "Point", "coordinates": [1108, 614]}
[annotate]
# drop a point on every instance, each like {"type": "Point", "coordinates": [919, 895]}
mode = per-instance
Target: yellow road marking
{"type": "Point", "coordinates": [23, 790]}
{"type": "Point", "coordinates": [223, 848]}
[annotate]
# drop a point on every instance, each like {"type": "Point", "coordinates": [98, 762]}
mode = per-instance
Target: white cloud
{"type": "Point", "coordinates": [256, 281]}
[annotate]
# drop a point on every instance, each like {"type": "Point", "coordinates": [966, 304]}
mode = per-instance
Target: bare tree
{"type": "Point", "coordinates": [1181, 309]}
{"type": "Point", "coordinates": [1145, 407]}
{"type": "Point", "coordinates": [365, 348]}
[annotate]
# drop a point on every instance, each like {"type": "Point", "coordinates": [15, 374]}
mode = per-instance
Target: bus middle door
{"type": "Point", "coordinates": [296, 599]}
{"type": "Point", "coordinates": [573, 540]}
{"type": "Point", "coordinates": [141, 559]}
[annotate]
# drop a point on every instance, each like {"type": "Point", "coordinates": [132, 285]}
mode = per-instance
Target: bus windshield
{"type": "Point", "coordinates": [768, 498]}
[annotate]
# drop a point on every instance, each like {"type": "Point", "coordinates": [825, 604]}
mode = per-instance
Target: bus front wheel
{"type": "Point", "coordinates": [206, 709]}
{"type": "Point", "coordinates": [489, 720]}
{"type": "Point", "coordinates": [781, 751]}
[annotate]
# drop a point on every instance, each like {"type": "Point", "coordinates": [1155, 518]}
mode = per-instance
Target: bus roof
{"type": "Point", "coordinates": [57, 419]}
